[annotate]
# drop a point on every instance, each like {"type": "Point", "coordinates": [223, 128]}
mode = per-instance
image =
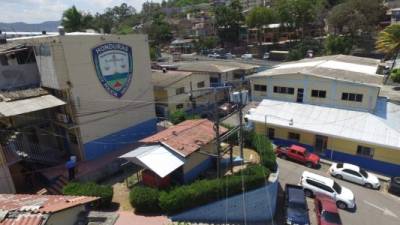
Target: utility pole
{"type": "Point", "coordinates": [241, 125]}
{"type": "Point", "coordinates": [191, 98]}
{"type": "Point", "coordinates": [216, 128]}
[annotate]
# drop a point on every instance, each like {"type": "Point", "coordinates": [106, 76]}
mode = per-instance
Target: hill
{"type": "Point", "coordinates": [49, 26]}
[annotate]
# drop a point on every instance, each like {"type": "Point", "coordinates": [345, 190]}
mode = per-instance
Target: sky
{"type": "Point", "coordinates": [36, 11]}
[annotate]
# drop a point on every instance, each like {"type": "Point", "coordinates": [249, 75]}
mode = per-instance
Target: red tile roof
{"type": "Point", "coordinates": [28, 219]}
{"type": "Point", "coordinates": [186, 137]}
{"type": "Point", "coordinates": [41, 203]}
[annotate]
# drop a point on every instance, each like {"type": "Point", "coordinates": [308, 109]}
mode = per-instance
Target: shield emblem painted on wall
{"type": "Point", "coordinates": [114, 67]}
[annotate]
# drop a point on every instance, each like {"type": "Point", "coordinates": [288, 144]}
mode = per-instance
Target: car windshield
{"type": "Point", "coordinates": [337, 187]}
{"type": "Point", "coordinates": [339, 165]}
{"type": "Point", "coordinates": [364, 173]}
{"type": "Point", "coordinates": [331, 217]}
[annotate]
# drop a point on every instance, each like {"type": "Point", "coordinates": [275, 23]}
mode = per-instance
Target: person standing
{"type": "Point", "coordinates": [70, 165]}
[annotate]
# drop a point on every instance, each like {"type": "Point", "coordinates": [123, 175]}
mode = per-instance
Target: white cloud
{"type": "Point", "coordinates": [34, 11]}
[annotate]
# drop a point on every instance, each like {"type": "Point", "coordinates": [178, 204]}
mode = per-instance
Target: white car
{"type": "Point", "coordinates": [247, 56]}
{"type": "Point", "coordinates": [354, 174]}
{"type": "Point", "coordinates": [214, 55]}
{"type": "Point", "coordinates": [315, 184]}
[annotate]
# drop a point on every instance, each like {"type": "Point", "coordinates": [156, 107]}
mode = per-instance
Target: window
{"type": "Point", "coordinates": [259, 87]}
{"type": "Point", "coordinates": [237, 76]}
{"type": "Point", "coordinates": [365, 151]}
{"type": "Point", "coordinates": [318, 93]}
{"type": "Point", "coordinates": [179, 106]}
{"type": "Point", "coordinates": [271, 133]}
{"type": "Point", "coordinates": [319, 185]}
{"type": "Point", "coordinates": [284, 90]}
{"type": "Point", "coordinates": [351, 172]}
{"type": "Point", "coordinates": [294, 136]}
{"type": "Point", "coordinates": [201, 84]}
{"type": "Point", "coordinates": [180, 90]}
{"type": "Point", "coordinates": [352, 97]}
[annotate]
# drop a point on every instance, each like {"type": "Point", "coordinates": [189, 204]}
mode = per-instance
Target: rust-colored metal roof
{"type": "Point", "coordinates": [186, 137]}
{"type": "Point", "coordinates": [25, 219]}
{"type": "Point", "coordinates": [41, 203]}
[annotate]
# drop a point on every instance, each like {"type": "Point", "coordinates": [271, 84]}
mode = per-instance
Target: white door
{"type": "Point", "coordinates": [353, 176]}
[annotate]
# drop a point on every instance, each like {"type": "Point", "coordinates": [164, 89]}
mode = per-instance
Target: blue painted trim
{"type": "Point", "coordinates": [118, 140]}
{"type": "Point", "coordinates": [197, 170]}
{"type": "Point", "coordinates": [385, 168]}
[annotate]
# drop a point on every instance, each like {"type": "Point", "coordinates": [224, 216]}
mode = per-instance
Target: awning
{"type": "Point", "coordinates": [156, 158]}
{"type": "Point", "coordinates": [18, 107]}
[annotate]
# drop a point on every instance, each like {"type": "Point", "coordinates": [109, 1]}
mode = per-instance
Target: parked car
{"type": "Point", "coordinates": [315, 184]}
{"type": "Point", "coordinates": [394, 185]}
{"type": "Point", "coordinates": [354, 174]}
{"type": "Point", "coordinates": [299, 154]}
{"type": "Point", "coordinates": [227, 108]}
{"type": "Point", "coordinates": [326, 211]}
{"type": "Point", "coordinates": [229, 55]}
{"type": "Point", "coordinates": [214, 55]}
{"type": "Point", "coordinates": [296, 210]}
{"type": "Point", "coordinates": [266, 56]}
{"type": "Point", "coordinates": [247, 56]}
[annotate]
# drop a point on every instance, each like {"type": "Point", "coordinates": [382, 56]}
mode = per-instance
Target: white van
{"type": "Point", "coordinates": [315, 184]}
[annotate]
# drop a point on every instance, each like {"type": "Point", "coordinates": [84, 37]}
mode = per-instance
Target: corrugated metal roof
{"type": "Point", "coordinates": [24, 219]}
{"type": "Point", "coordinates": [8, 96]}
{"type": "Point", "coordinates": [157, 158]}
{"type": "Point", "coordinates": [379, 129]}
{"type": "Point", "coordinates": [186, 137]}
{"type": "Point", "coordinates": [18, 107]}
{"type": "Point", "coordinates": [41, 203]}
{"type": "Point", "coordinates": [339, 67]}
{"type": "Point", "coordinates": [161, 79]}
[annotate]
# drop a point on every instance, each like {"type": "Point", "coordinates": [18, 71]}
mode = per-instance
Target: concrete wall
{"type": "Point", "coordinates": [256, 206]}
{"type": "Point", "coordinates": [333, 88]}
{"type": "Point", "coordinates": [6, 182]}
{"type": "Point", "coordinates": [20, 75]}
{"type": "Point", "coordinates": [384, 160]}
{"type": "Point", "coordinates": [65, 217]}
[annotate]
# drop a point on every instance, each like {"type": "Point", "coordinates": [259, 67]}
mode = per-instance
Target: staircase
{"type": "Point", "coordinates": [54, 186]}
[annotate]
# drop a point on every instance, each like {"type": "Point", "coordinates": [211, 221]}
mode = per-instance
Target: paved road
{"type": "Point", "coordinates": [373, 207]}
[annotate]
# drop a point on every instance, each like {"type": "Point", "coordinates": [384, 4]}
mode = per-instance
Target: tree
{"type": "Point", "coordinates": [356, 16]}
{"type": "Point", "coordinates": [259, 17]}
{"type": "Point", "coordinates": [74, 20]}
{"type": "Point", "coordinates": [389, 40]}
{"type": "Point", "coordinates": [334, 44]}
{"type": "Point", "coordinates": [228, 20]}
{"type": "Point", "coordinates": [159, 31]}
{"type": "Point", "coordinates": [299, 14]}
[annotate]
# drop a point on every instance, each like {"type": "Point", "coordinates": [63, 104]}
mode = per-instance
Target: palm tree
{"type": "Point", "coordinates": [389, 42]}
{"type": "Point", "coordinates": [72, 20]}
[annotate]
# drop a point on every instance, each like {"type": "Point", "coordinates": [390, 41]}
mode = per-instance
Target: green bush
{"type": "Point", "coordinates": [144, 199]}
{"type": "Point", "coordinates": [395, 75]}
{"type": "Point", "coordinates": [204, 191]}
{"type": "Point", "coordinates": [180, 116]}
{"type": "Point", "coordinates": [105, 192]}
{"type": "Point", "coordinates": [264, 148]}
{"type": "Point", "coordinates": [337, 45]}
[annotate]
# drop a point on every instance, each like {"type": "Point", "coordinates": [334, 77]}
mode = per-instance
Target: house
{"type": "Point", "coordinates": [180, 153]}
{"type": "Point", "coordinates": [28, 135]}
{"type": "Point", "coordinates": [43, 209]}
{"type": "Point", "coordinates": [105, 81]}
{"type": "Point", "coordinates": [183, 46]}
{"type": "Point", "coordinates": [172, 91]}
{"type": "Point", "coordinates": [219, 72]}
{"type": "Point", "coordinates": [330, 105]}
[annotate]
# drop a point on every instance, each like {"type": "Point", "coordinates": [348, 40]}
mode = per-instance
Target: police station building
{"type": "Point", "coordinates": [105, 81]}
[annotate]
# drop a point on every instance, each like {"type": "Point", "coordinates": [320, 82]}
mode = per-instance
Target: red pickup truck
{"type": "Point", "coordinates": [298, 153]}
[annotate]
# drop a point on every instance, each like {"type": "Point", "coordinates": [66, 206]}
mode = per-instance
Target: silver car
{"type": "Point", "coordinates": [354, 174]}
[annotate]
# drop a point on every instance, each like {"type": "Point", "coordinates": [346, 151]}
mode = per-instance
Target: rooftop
{"type": "Point", "coordinates": [214, 66]}
{"type": "Point", "coordinates": [381, 127]}
{"type": "Point", "coordinates": [24, 219]}
{"type": "Point", "coordinates": [186, 137]}
{"type": "Point", "coordinates": [41, 203]}
{"type": "Point", "coordinates": [161, 79]}
{"type": "Point", "coordinates": [338, 67]}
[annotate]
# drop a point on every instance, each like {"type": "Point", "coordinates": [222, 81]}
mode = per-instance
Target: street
{"type": "Point", "coordinates": [373, 206]}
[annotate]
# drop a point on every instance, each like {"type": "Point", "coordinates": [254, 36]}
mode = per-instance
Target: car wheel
{"type": "Point", "coordinates": [341, 205]}
{"type": "Point", "coordinates": [284, 157]}
{"type": "Point", "coordinates": [368, 185]}
{"type": "Point", "coordinates": [309, 164]}
{"type": "Point", "coordinates": [338, 176]}
{"type": "Point", "coordinates": [308, 193]}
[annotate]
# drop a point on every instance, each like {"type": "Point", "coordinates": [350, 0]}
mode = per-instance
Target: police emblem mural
{"type": "Point", "coordinates": [114, 67]}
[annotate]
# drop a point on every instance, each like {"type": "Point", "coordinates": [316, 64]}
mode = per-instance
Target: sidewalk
{"type": "Point", "coordinates": [129, 218]}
